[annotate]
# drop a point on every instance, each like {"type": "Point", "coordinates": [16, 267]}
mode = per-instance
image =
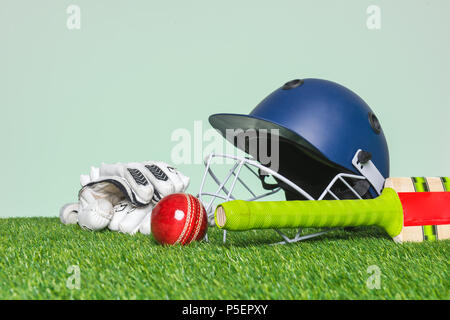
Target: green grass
{"type": "Point", "coordinates": [36, 253]}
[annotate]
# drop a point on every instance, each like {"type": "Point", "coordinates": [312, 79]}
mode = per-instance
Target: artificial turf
{"type": "Point", "coordinates": [36, 254]}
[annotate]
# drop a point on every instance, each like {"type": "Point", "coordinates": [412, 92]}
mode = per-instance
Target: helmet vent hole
{"type": "Point", "coordinates": [374, 123]}
{"type": "Point", "coordinates": [292, 84]}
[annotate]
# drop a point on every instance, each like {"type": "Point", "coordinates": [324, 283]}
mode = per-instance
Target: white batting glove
{"type": "Point", "coordinates": [165, 180]}
{"type": "Point", "coordinates": [121, 196]}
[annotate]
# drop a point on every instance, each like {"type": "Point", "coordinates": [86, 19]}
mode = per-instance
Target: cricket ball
{"type": "Point", "coordinates": [179, 218]}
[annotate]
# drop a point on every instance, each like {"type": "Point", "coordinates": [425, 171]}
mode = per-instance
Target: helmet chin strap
{"type": "Point", "coordinates": [267, 186]}
{"type": "Point", "coordinates": [363, 163]}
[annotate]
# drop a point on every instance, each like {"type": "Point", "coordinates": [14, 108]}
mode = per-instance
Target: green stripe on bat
{"type": "Point", "coordinates": [421, 185]}
{"type": "Point", "coordinates": [446, 183]}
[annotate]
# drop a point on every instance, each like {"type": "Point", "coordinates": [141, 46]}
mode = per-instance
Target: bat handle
{"type": "Point", "coordinates": [385, 211]}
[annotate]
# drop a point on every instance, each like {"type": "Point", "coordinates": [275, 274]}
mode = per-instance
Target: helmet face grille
{"type": "Point", "coordinates": [226, 187]}
{"type": "Point", "coordinates": [222, 182]}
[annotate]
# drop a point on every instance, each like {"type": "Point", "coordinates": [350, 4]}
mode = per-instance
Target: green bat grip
{"type": "Point", "coordinates": [384, 211]}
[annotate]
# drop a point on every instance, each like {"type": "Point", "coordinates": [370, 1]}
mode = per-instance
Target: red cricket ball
{"type": "Point", "coordinates": [179, 218]}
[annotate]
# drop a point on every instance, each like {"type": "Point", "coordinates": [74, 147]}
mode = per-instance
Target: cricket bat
{"type": "Point", "coordinates": [409, 209]}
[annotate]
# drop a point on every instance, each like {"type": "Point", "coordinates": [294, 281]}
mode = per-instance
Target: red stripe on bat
{"type": "Point", "coordinates": [425, 208]}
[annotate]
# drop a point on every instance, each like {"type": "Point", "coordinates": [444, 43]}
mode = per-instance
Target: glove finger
{"type": "Point", "coordinates": [180, 181]}
{"type": "Point", "coordinates": [94, 174]}
{"type": "Point", "coordinates": [130, 224]}
{"type": "Point", "coordinates": [120, 212]}
{"type": "Point", "coordinates": [84, 179]}
{"type": "Point", "coordinates": [145, 227]}
{"type": "Point", "coordinates": [68, 214]}
{"type": "Point", "coordinates": [184, 180]}
{"type": "Point", "coordinates": [164, 178]}
{"type": "Point", "coordinates": [96, 215]}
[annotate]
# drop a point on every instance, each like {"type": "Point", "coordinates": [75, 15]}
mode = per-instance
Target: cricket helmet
{"type": "Point", "coordinates": [324, 129]}
{"type": "Point", "coordinates": [328, 145]}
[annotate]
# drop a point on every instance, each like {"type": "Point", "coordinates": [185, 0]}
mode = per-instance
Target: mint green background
{"type": "Point", "coordinates": [116, 89]}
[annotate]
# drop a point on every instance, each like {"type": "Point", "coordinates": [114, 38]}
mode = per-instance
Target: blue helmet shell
{"type": "Point", "coordinates": [320, 117]}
